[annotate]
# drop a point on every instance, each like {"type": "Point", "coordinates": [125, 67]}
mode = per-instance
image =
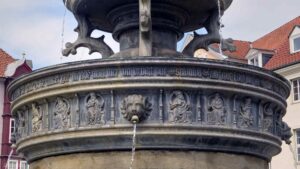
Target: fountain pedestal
{"type": "Point", "coordinates": [191, 113]}
{"type": "Point", "coordinates": [184, 106]}
{"type": "Point", "coordinates": [153, 160]}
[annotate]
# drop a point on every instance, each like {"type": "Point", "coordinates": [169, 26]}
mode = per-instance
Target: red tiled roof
{"type": "Point", "coordinates": [5, 59]}
{"type": "Point", "coordinates": [242, 48]}
{"type": "Point", "coordinates": [278, 41]}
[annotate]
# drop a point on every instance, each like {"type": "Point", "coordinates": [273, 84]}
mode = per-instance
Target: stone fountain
{"type": "Point", "coordinates": [190, 113]}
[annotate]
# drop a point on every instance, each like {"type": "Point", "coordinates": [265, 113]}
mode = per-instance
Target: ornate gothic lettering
{"type": "Point", "coordinates": [171, 71]}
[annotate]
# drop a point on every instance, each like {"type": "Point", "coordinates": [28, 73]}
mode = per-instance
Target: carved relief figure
{"type": "Point", "coordinates": [179, 108]}
{"type": "Point", "coordinates": [95, 109]}
{"type": "Point", "coordinates": [136, 108]}
{"type": "Point", "coordinates": [246, 118]}
{"type": "Point", "coordinates": [61, 117]}
{"type": "Point", "coordinates": [37, 117]}
{"type": "Point", "coordinates": [216, 111]}
{"type": "Point", "coordinates": [20, 125]}
{"type": "Point", "coordinates": [268, 118]}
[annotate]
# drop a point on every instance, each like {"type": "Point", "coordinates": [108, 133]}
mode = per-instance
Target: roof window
{"type": "Point", "coordinates": [295, 40]}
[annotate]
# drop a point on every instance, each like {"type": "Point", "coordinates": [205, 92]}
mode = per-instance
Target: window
{"type": "Point", "coordinates": [260, 58]}
{"type": "Point", "coordinates": [296, 89]}
{"type": "Point", "coordinates": [24, 165]}
{"type": "Point", "coordinates": [254, 61]}
{"type": "Point", "coordinates": [298, 144]}
{"type": "Point", "coordinates": [12, 164]}
{"type": "Point", "coordinates": [296, 42]}
{"type": "Point", "coordinates": [265, 58]}
{"type": "Point", "coordinates": [12, 128]}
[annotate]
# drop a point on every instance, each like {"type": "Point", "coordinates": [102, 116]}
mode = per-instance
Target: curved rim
{"type": "Point", "coordinates": [184, 138]}
{"type": "Point", "coordinates": [97, 63]}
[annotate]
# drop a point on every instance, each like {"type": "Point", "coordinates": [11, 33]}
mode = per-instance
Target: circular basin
{"type": "Point", "coordinates": [187, 104]}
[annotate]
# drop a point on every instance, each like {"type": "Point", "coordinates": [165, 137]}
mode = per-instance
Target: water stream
{"type": "Point", "coordinates": [294, 156]}
{"type": "Point", "coordinates": [133, 146]}
{"type": "Point", "coordinates": [63, 29]}
{"type": "Point", "coordinates": [220, 28]}
{"type": "Point", "coordinates": [8, 159]}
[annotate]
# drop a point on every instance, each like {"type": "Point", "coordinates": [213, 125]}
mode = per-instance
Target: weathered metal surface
{"type": "Point", "coordinates": [139, 25]}
{"type": "Point", "coordinates": [145, 28]}
{"type": "Point", "coordinates": [180, 103]}
{"type": "Point", "coordinates": [98, 10]}
{"type": "Point", "coordinates": [186, 104]}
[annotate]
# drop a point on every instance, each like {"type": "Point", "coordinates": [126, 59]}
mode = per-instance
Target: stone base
{"type": "Point", "coordinates": [151, 160]}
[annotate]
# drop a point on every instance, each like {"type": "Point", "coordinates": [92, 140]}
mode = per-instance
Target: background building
{"type": "Point", "coordinates": [279, 51]}
{"type": "Point", "coordinates": [9, 69]}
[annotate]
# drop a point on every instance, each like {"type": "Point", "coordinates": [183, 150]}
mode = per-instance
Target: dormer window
{"type": "Point", "coordinates": [254, 61]}
{"type": "Point", "coordinates": [296, 44]}
{"type": "Point", "coordinates": [295, 40]}
{"type": "Point", "coordinates": [259, 58]}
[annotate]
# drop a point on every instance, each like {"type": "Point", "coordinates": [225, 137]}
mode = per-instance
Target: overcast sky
{"type": "Point", "coordinates": [35, 27]}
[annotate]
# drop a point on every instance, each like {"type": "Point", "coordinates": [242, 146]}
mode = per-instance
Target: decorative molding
{"type": "Point", "coordinates": [112, 107]}
{"type": "Point", "coordinates": [45, 105]}
{"type": "Point", "coordinates": [199, 107]}
{"type": "Point", "coordinates": [149, 71]}
{"type": "Point", "coordinates": [213, 110]}
{"type": "Point", "coordinates": [260, 114]}
{"type": "Point", "coordinates": [84, 39]}
{"type": "Point", "coordinates": [161, 106]}
{"type": "Point", "coordinates": [77, 110]}
{"type": "Point", "coordinates": [235, 110]}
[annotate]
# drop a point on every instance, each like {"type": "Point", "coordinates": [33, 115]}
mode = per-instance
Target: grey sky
{"type": "Point", "coordinates": [251, 19]}
{"type": "Point", "coordinates": [35, 26]}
